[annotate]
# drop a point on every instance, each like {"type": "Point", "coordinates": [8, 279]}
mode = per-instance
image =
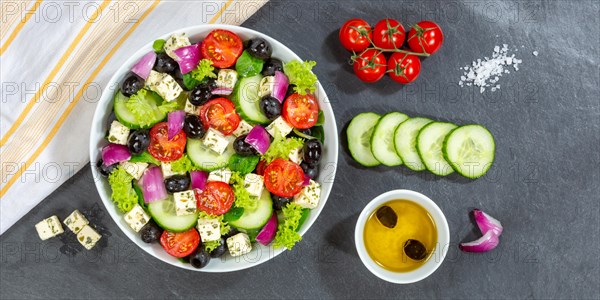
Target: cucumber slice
{"type": "Point", "coordinates": [405, 141]}
{"type": "Point", "coordinates": [470, 150]}
{"type": "Point", "coordinates": [429, 145]}
{"type": "Point", "coordinates": [163, 213]}
{"type": "Point", "coordinates": [128, 119]}
{"type": "Point", "coordinates": [359, 134]}
{"type": "Point", "coordinates": [382, 141]}
{"type": "Point", "coordinates": [246, 99]}
{"type": "Point", "coordinates": [207, 159]}
{"type": "Point", "coordinates": [257, 218]}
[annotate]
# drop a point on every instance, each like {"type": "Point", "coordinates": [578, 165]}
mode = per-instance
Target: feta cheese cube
{"type": "Point", "coordinates": [154, 78]}
{"type": "Point", "coordinates": [226, 78]}
{"type": "Point", "coordinates": [239, 244]}
{"type": "Point", "coordinates": [88, 237]}
{"type": "Point", "coordinates": [309, 196]}
{"type": "Point", "coordinates": [209, 229]}
{"type": "Point", "coordinates": [48, 228]}
{"type": "Point", "coordinates": [135, 169]}
{"type": "Point", "coordinates": [191, 108]}
{"type": "Point", "coordinates": [76, 221]}
{"type": "Point", "coordinates": [215, 141]}
{"type": "Point", "coordinates": [136, 218]}
{"type": "Point", "coordinates": [167, 88]}
{"type": "Point", "coordinates": [296, 155]}
{"type": "Point", "coordinates": [280, 126]}
{"type": "Point", "coordinates": [167, 171]}
{"type": "Point", "coordinates": [254, 184]}
{"type": "Point", "coordinates": [185, 203]}
{"type": "Point", "coordinates": [118, 133]}
{"type": "Point", "coordinates": [243, 128]}
{"type": "Point", "coordinates": [266, 86]}
{"type": "Point", "coordinates": [175, 42]}
{"type": "Point", "coordinates": [220, 175]}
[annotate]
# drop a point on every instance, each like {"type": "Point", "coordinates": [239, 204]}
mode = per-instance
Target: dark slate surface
{"type": "Point", "coordinates": [544, 185]}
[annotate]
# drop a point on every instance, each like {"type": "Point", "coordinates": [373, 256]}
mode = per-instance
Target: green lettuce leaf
{"type": "Point", "coordinates": [123, 194]}
{"type": "Point", "coordinates": [243, 198]}
{"type": "Point", "coordinates": [248, 65]}
{"type": "Point", "coordinates": [243, 164]}
{"type": "Point", "coordinates": [281, 148]}
{"type": "Point", "coordinates": [300, 74]}
{"type": "Point", "coordinates": [287, 231]}
{"type": "Point", "coordinates": [142, 110]}
{"type": "Point", "coordinates": [144, 157]}
{"type": "Point", "coordinates": [183, 165]}
{"type": "Point", "coordinates": [203, 70]}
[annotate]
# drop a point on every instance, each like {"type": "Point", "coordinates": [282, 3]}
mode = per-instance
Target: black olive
{"type": "Point", "coordinates": [272, 65]}
{"type": "Point", "coordinates": [311, 171]}
{"type": "Point", "coordinates": [290, 90]}
{"type": "Point", "coordinates": [260, 48]}
{"type": "Point", "coordinates": [210, 83]}
{"type": "Point", "coordinates": [200, 95]}
{"type": "Point", "coordinates": [415, 250]}
{"type": "Point", "coordinates": [138, 141]}
{"type": "Point", "coordinates": [280, 202]}
{"type": "Point", "coordinates": [105, 170]}
{"type": "Point", "coordinates": [193, 127]}
{"type": "Point", "coordinates": [220, 250]}
{"type": "Point", "coordinates": [200, 258]}
{"type": "Point", "coordinates": [151, 232]}
{"type": "Point", "coordinates": [132, 84]}
{"type": "Point", "coordinates": [271, 107]}
{"type": "Point", "coordinates": [312, 151]}
{"type": "Point", "coordinates": [165, 64]}
{"type": "Point", "coordinates": [177, 183]}
{"type": "Point", "coordinates": [387, 216]}
{"type": "Point", "coordinates": [241, 147]}
{"type": "Point", "coordinates": [231, 233]}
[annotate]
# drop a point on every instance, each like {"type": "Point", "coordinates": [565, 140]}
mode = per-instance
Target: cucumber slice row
{"type": "Point", "coordinates": [207, 159]}
{"type": "Point", "coordinates": [163, 213]}
{"type": "Point", "coordinates": [256, 219]}
{"type": "Point", "coordinates": [405, 140]}
{"type": "Point", "coordinates": [429, 145]}
{"type": "Point", "coordinates": [246, 99]}
{"type": "Point", "coordinates": [382, 143]}
{"type": "Point", "coordinates": [359, 135]}
{"type": "Point", "coordinates": [470, 150]}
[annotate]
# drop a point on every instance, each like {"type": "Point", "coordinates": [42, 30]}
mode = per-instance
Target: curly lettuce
{"type": "Point", "coordinates": [281, 148]}
{"type": "Point", "coordinates": [142, 110]}
{"type": "Point", "coordinates": [204, 69]}
{"type": "Point", "coordinates": [299, 73]}
{"type": "Point", "coordinates": [123, 194]}
{"type": "Point", "coordinates": [243, 198]}
{"type": "Point", "coordinates": [209, 246]}
{"type": "Point", "coordinates": [287, 231]}
{"type": "Point", "coordinates": [183, 165]}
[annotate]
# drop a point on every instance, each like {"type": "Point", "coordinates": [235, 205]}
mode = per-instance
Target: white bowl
{"type": "Point", "coordinates": [443, 238]}
{"type": "Point", "coordinates": [259, 254]}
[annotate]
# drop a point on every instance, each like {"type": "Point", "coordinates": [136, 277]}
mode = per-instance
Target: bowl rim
{"type": "Point", "coordinates": [108, 94]}
{"type": "Point", "coordinates": [443, 240]}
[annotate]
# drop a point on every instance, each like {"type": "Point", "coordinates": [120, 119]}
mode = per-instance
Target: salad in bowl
{"type": "Point", "coordinates": [217, 148]}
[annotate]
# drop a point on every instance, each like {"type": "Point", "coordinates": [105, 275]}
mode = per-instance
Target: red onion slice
{"type": "Point", "coordinates": [175, 122]}
{"type": "Point", "coordinates": [280, 87]}
{"type": "Point", "coordinates": [306, 180]}
{"type": "Point", "coordinates": [486, 222]}
{"type": "Point", "coordinates": [485, 243]}
{"type": "Point", "coordinates": [115, 153]}
{"type": "Point", "coordinates": [143, 67]}
{"type": "Point", "coordinates": [222, 91]}
{"type": "Point", "coordinates": [267, 233]}
{"type": "Point", "coordinates": [198, 179]}
{"type": "Point", "coordinates": [259, 138]}
{"type": "Point", "coordinates": [188, 58]}
{"type": "Point", "coordinates": [153, 185]}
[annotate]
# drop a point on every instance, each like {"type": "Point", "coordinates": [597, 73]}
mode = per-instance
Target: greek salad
{"type": "Point", "coordinates": [215, 145]}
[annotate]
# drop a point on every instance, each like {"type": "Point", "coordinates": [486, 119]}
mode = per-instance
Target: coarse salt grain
{"type": "Point", "coordinates": [486, 72]}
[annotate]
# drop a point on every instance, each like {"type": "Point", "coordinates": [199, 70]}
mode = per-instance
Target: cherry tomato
{"type": "Point", "coordinates": [260, 168]}
{"type": "Point", "coordinates": [404, 68]}
{"type": "Point", "coordinates": [388, 34]}
{"type": "Point", "coordinates": [216, 198]}
{"type": "Point", "coordinates": [425, 37]}
{"type": "Point", "coordinates": [164, 149]}
{"type": "Point", "coordinates": [301, 111]}
{"type": "Point", "coordinates": [220, 114]}
{"type": "Point", "coordinates": [370, 65]}
{"type": "Point", "coordinates": [355, 35]}
{"type": "Point", "coordinates": [222, 47]}
{"type": "Point", "coordinates": [283, 178]}
{"type": "Point", "coordinates": [180, 244]}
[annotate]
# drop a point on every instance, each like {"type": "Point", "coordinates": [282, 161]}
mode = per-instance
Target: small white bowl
{"type": "Point", "coordinates": [443, 237]}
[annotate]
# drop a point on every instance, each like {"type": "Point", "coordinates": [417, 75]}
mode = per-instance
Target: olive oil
{"type": "Point", "coordinates": [386, 245]}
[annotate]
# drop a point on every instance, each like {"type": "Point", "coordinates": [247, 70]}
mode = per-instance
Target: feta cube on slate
{"type": "Point", "coordinates": [166, 170]}
{"type": "Point", "coordinates": [76, 221]}
{"type": "Point", "coordinates": [309, 196]}
{"type": "Point", "coordinates": [136, 218]}
{"type": "Point", "coordinates": [185, 203]}
{"type": "Point", "coordinates": [296, 155]}
{"type": "Point", "coordinates": [239, 244]}
{"type": "Point", "coordinates": [215, 141]}
{"type": "Point", "coordinates": [266, 85]}
{"type": "Point", "coordinates": [88, 237]}
{"type": "Point", "coordinates": [190, 108]}
{"type": "Point", "coordinates": [175, 42]}
{"type": "Point", "coordinates": [48, 228]}
{"type": "Point", "coordinates": [243, 128]}
{"type": "Point", "coordinates": [135, 169]}
{"type": "Point", "coordinates": [118, 133]}
{"type": "Point", "coordinates": [209, 229]}
{"type": "Point", "coordinates": [254, 184]}
{"type": "Point", "coordinates": [220, 175]}
{"type": "Point", "coordinates": [279, 125]}
{"type": "Point", "coordinates": [226, 78]}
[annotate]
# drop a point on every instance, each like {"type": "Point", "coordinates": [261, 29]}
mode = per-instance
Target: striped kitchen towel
{"type": "Point", "coordinates": [56, 58]}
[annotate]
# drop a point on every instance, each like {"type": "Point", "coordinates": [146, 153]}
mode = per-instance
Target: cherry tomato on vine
{"type": "Point", "coordinates": [355, 35]}
{"type": "Point", "coordinates": [425, 37]}
{"type": "Point", "coordinates": [388, 34]}
{"type": "Point", "coordinates": [404, 68]}
{"type": "Point", "coordinates": [370, 65]}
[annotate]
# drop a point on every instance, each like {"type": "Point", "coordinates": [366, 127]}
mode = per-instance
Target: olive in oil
{"type": "Point", "coordinates": [386, 245]}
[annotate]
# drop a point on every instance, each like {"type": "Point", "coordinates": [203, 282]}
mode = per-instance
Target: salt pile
{"type": "Point", "coordinates": [487, 71]}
